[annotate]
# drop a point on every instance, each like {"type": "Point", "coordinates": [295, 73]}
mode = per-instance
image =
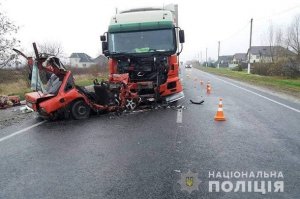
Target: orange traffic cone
{"type": "Point", "coordinates": [195, 82]}
{"type": "Point", "coordinates": [220, 103]}
{"type": "Point", "coordinates": [220, 115]}
{"type": "Point", "coordinates": [208, 88]}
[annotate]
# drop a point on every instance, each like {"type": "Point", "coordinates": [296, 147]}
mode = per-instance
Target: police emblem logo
{"type": "Point", "coordinates": [189, 181]}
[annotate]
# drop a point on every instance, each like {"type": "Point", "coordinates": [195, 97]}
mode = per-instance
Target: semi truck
{"type": "Point", "coordinates": [145, 43]}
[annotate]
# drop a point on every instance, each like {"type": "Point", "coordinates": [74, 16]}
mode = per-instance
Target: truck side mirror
{"type": "Point", "coordinates": [104, 48]}
{"type": "Point", "coordinates": [103, 38]}
{"type": "Point", "coordinates": [181, 36]}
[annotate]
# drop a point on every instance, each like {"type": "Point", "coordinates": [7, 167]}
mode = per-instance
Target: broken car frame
{"type": "Point", "coordinates": [63, 97]}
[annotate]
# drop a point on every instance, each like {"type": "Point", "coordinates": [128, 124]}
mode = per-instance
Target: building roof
{"type": "Point", "coordinates": [100, 58]}
{"type": "Point", "coordinates": [226, 58]}
{"type": "Point", "coordinates": [83, 57]}
{"type": "Point", "coordinates": [240, 56]}
{"type": "Point", "coordinates": [266, 50]}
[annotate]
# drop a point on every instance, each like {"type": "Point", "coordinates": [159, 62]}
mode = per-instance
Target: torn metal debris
{"type": "Point", "coordinates": [199, 103]}
{"type": "Point", "coordinates": [9, 101]}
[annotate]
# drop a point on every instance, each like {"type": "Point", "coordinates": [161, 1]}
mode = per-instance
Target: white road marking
{"type": "Point", "coordinates": [179, 116]}
{"type": "Point", "coordinates": [21, 131]}
{"type": "Point", "coordinates": [262, 96]}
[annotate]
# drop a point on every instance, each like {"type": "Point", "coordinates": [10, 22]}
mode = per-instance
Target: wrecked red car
{"type": "Point", "coordinates": [61, 97]}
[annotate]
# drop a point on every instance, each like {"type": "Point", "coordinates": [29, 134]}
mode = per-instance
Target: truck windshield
{"type": "Point", "coordinates": [142, 41]}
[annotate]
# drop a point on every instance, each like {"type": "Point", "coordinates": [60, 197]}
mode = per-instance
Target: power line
{"type": "Point", "coordinates": [260, 19]}
{"type": "Point", "coordinates": [235, 33]}
{"type": "Point", "coordinates": [277, 14]}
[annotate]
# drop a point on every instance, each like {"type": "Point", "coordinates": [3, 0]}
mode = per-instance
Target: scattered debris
{"type": "Point", "coordinates": [13, 116]}
{"type": "Point", "coordinates": [9, 101]}
{"type": "Point", "coordinates": [199, 103]}
{"type": "Point", "coordinates": [26, 109]}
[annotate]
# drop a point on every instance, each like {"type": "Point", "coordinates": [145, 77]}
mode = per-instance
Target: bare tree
{"type": "Point", "coordinates": [51, 48]}
{"type": "Point", "coordinates": [279, 41]}
{"type": "Point", "coordinates": [293, 36]}
{"type": "Point", "coordinates": [279, 37]}
{"type": "Point", "coordinates": [271, 40]}
{"type": "Point", "coordinates": [7, 40]}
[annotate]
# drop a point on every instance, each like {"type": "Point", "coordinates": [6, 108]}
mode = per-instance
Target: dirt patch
{"type": "Point", "coordinates": [13, 115]}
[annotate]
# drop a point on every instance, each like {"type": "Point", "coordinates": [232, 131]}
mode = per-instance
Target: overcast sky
{"type": "Point", "coordinates": [77, 24]}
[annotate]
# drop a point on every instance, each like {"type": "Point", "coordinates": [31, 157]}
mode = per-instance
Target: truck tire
{"type": "Point", "coordinates": [80, 110]}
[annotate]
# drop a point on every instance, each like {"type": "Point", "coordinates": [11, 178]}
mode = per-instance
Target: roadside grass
{"type": "Point", "coordinates": [281, 84]}
{"type": "Point", "coordinates": [87, 79]}
{"type": "Point", "coordinates": [20, 86]}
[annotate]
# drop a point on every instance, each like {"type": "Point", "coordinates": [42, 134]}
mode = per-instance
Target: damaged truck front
{"type": "Point", "coordinates": [144, 43]}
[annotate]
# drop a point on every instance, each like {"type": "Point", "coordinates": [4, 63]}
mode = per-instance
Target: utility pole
{"type": "Point", "coordinates": [251, 22]}
{"type": "Point", "coordinates": [218, 54]}
{"type": "Point", "coordinates": [201, 57]}
{"type": "Point", "coordinates": [206, 58]}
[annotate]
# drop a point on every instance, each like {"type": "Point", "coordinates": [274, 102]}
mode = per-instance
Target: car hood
{"type": "Point", "coordinates": [33, 97]}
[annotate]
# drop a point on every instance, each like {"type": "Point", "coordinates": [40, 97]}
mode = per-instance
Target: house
{"type": "Point", "coordinates": [225, 60]}
{"type": "Point", "coordinates": [239, 58]}
{"type": "Point", "coordinates": [81, 60]}
{"type": "Point", "coordinates": [267, 54]}
{"type": "Point", "coordinates": [101, 60]}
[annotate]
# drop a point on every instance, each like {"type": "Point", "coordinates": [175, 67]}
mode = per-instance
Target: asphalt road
{"type": "Point", "coordinates": [142, 155]}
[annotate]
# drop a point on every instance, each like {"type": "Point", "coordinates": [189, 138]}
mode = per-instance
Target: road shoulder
{"type": "Point", "coordinates": [268, 90]}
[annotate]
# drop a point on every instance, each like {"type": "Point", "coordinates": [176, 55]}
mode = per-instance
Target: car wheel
{"type": "Point", "coordinates": [80, 110]}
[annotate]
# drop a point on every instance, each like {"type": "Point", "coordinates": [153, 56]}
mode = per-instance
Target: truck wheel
{"type": "Point", "coordinates": [80, 110]}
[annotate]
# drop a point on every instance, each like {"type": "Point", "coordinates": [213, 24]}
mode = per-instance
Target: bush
{"type": "Point", "coordinates": [275, 69]}
{"type": "Point", "coordinates": [289, 69]}
{"type": "Point", "coordinates": [260, 69]}
{"type": "Point", "coordinates": [238, 68]}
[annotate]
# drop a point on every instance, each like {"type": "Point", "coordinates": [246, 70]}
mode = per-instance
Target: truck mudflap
{"type": "Point", "coordinates": [174, 97]}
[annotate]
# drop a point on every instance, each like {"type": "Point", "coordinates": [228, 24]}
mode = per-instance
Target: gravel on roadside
{"type": "Point", "coordinates": [14, 115]}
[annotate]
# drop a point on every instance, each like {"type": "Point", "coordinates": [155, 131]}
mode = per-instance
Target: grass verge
{"type": "Point", "coordinates": [21, 86]}
{"type": "Point", "coordinates": [87, 79]}
{"type": "Point", "coordinates": [280, 84]}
